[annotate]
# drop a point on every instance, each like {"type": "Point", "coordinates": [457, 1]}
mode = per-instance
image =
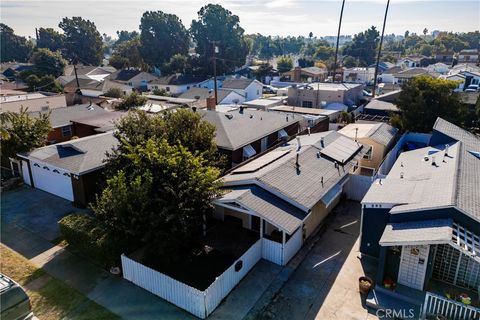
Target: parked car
{"type": "Point", "coordinates": [15, 304]}
{"type": "Point", "coordinates": [269, 89]}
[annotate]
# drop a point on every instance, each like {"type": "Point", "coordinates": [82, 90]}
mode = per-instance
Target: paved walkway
{"type": "Point", "coordinates": [32, 240]}
{"type": "Point", "coordinates": [323, 282]}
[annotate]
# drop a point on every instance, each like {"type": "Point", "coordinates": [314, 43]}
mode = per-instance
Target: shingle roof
{"type": "Point", "coordinates": [240, 129]}
{"type": "Point", "coordinates": [178, 79]}
{"type": "Point", "coordinates": [467, 194]}
{"type": "Point", "coordinates": [301, 185]}
{"type": "Point", "coordinates": [60, 117]}
{"type": "Point", "coordinates": [204, 93]}
{"type": "Point", "coordinates": [124, 75]}
{"type": "Point", "coordinates": [381, 133]}
{"type": "Point", "coordinates": [77, 156]}
{"type": "Point", "coordinates": [375, 104]}
{"type": "Point", "coordinates": [237, 83]}
{"type": "Point", "coordinates": [270, 207]}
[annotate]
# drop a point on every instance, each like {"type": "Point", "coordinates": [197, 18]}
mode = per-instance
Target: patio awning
{"type": "Point", "coordinates": [417, 233]}
{"type": "Point", "coordinates": [248, 151]}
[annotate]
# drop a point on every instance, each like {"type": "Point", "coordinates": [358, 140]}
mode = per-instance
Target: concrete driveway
{"type": "Point", "coordinates": [35, 210]}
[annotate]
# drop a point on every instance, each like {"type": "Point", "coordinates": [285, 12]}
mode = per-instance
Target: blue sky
{"type": "Point", "coordinates": [274, 17]}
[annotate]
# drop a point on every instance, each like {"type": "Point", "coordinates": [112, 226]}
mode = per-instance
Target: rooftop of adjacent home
{"type": "Point", "coordinates": [446, 175]}
{"type": "Point", "coordinates": [241, 127]}
{"type": "Point", "coordinates": [60, 117]}
{"type": "Point", "coordinates": [381, 133]}
{"type": "Point", "coordinates": [330, 86]}
{"type": "Point", "coordinates": [78, 156]}
{"type": "Point", "coordinates": [303, 171]}
{"type": "Point", "coordinates": [23, 97]}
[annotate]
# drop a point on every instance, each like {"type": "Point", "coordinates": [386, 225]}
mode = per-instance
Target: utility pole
{"type": "Point", "coordinates": [215, 51]}
{"type": "Point", "coordinates": [76, 76]}
{"type": "Point", "coordinates": [338, 40]}
{"type": "Point", "coordinates": [379, 51]}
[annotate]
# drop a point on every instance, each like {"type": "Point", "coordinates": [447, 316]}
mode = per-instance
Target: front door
{"type": "Point", "coordinates": [413, 266]}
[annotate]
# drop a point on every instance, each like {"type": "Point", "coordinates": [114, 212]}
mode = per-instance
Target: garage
{"type": "Point", "coordinates": [52, 180]}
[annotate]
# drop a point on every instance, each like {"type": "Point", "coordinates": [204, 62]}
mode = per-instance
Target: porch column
{"type": "Point", "coordinates": [283, 248]}
{"type": "Point", "coordinates": [261, 228]}
{"type": "Point", "coordinates": [283, 238]}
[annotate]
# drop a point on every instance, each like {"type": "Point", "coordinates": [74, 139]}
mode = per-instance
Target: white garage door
{"type": "Point", "coordinates": [52, 180]}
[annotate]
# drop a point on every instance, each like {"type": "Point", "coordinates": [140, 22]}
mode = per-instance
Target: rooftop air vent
{"type": "Point", "coordinates": [229, 116]}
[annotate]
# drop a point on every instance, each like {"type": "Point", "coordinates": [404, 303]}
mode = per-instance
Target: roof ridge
{"type": "Point", "coordinates": [455, 190]}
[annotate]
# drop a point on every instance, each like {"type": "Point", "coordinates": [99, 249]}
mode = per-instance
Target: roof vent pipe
{"type": "Point", "coordinates": [308, 129]}
{"type": "Point", "coordinates": [401, 175]}
{"type": "Point", "coordinates": [322, 142]}
{"type": "Point", "coordinates": [299, 143]}
{"type": "Point", "coordinates": [446, 149]}
{"type": "Point", "coordinates": [297, 160]}
{"type": "Point", "coordinates": [433, 161]}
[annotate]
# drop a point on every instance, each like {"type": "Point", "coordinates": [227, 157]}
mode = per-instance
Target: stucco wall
{"type": "Point", "coordinates": [318, 214]}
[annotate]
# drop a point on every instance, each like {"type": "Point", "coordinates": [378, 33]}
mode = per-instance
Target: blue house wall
{"type": "Point", "coordinates": [373, 224]}
{"type": "Point", "coordinates": [439, 138]}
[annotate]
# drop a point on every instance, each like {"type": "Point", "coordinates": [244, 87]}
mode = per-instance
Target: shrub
{"type": "Point", "coordinates": [87, 236]}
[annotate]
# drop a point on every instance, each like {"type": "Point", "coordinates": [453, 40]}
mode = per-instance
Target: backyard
{"type": "Point", "coordinates": [50, 298]}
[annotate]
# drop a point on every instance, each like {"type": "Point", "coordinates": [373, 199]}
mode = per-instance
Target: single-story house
{"type": "Point", "coordinates": [249, 88]}
{"type": "Point", "coordinates": [263, 104]}
{"type": "Point", "coordinates": [319, 95]}
{"type": "Point", "coordinates": [62, 120]}
{"type": "Point", "coordinates": [422, 222]}
{"type": "Point", "coordinates": [404, 75]}
{"type": "Point", "coordinates": [445, 57]}
{"type": "Point", "coordinates": [379, 138]}
{"type": "Point", "coordinates": [359, 75]}
{"type": "Point", "coordinates": [309, 74]}
{"type": "Point", "coordinates": [468, 56]}
{"type": "Point", "coordinates": [175, 84]}
{"type": "Point", "coordinates": [70, 169]}
{"type": "Point", "coordinates": [224, 96]}
{"type": "Point", "coordinates": [35, 101]}
{"type": "Point", "coordinates": [133, 78]}
{"type": "Point", "coordinates": [285, 194]}
{"type": "Point", "coordinates": [243, 133]}
{"type": "Point", "coordinates": [377, 107]}
{"type": "Point", "coordinates": [332, 115]}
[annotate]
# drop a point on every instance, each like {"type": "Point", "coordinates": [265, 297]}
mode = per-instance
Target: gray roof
{"type": "Point", "coordinates": [467, 194]}
{"type": "Point", "coordinates": [77, 156]}
{"type": "Point", "coordinates": [375, 104]}
{"type": "Point", "coordinates": [384, 134]}
{"type": "Point", "coordinates": [240, 129]}
{"type": "Point", "coordinates": [381, 133]}
{"type": "Point", "coordinates": [300, 186]}
{"type": "Point", "coordinates": [204, 93]}
{"type": "Point", "coordinates": [270, 207]}
{"type": "Point", "coordinates": [241, 83]}
{"type": "Point", "coordinates": [417, 232]}
{"type": "Point", "coordinates": [61, 117]}
{"type": "Point", "coordinates": [103, 122]}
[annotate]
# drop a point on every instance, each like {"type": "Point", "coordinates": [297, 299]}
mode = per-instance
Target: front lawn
{"type": "Point", "coordinates": [50, 298]}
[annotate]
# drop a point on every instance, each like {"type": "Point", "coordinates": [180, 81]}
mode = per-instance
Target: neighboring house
{"type": "Point", "coordinates": [285, 194]}
{"type": "Point", "coordinates": [468, 56]}
{"type": "Point", "coordinates": [445, 57]}
{"type": "Point", "coordinates": [439, 67]}
{"type": "Point", "coordinates": [422, 222]}
{"type": "Point", "coordinates": [133, 78]}
{"type": "Point", "coordinates": [263, 104]}
{"type": "Point", "coordinates": [332, 115]}
{"type": "Point", "coordinates": [359, 75]}
{"type": "Point", "coordinates": [33, 101]}
{"type": "Point", "coordinates": [224, 96]}
{"type": "Point", "coordinates": [71, 169]}
{"type": "Point", "coordinates": [405, 75]}
{"type": "Point", "coordinates": [249, 88]}
{"type": "Point", "coordinates": [465, 79]}
{"type": "Point", "coordinates": [244, 133]}
{"type": "Point", "coordinates": [379, 138]}
{"type": "Point", "coordinates": [382, 66]}
{"type": "Point", "coordinates": [415, 61]}
{"type": "Point", "coordinates": [309, 74]}
{"type": "Point", "coordinates": [320, 95]}
{"type": "Point", "coordinates": [60, 120]}
{"type": "Point", "coordinates": [11, 70]}
{"type": "Point", "coordinates": [175, 84]}
{"type": "Point", "coordinates": [91, 72]}
{"type": "Point", "coordinates": [377, 107]}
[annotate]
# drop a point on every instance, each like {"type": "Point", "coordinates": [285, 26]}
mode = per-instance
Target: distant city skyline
{"type": "Point", "coordinates": [272, 17]}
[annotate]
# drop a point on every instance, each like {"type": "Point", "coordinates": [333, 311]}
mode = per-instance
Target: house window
{"type": "Point", "coordinates": [167, 89]}
{"type": "Point", "coordinates": [467, 58]}
{"type": "Point", "coordinates": [307, 104]}
{"type": "Point", "coordinates": [188, 87]}
{"type": "Point", "coordinates": [45, 108]}
{"type": "Point", "coordinates": [258, 92]}
{"type": "Point", "coordinates": [67, 131]}
{"type": "Point", "coordinates": [130, 84]}
{"type": "Point", "coordinates": [368, 155]}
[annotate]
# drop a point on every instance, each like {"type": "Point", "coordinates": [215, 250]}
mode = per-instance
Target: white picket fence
{"type": "Point", "coordinates": [436, 305]}
{"type": "Point", "coordinates": [357, 186]}
{"type": "Point", "coordinates": [199, 303]}
{"type": "Point", "coordinates": [272, 251]}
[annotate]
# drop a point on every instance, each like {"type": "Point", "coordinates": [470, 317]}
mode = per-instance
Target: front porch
{"type": "Point", "coordinates": [436, 259]}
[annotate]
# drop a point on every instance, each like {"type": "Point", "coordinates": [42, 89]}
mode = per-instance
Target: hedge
{"type": "Point", "coordinates": [89, 238]}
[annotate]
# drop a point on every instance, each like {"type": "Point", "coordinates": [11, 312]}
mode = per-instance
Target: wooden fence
{"type": "Point", "coordinates": [436, 305]}
{"type": "Point", "coordinates": [199, 303]}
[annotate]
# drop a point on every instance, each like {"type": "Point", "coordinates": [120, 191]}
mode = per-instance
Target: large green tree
{"type": "Point", "coordinates": [12, 46]}
{"type": "Point", "coordinates": [127, 54]}
{"type": "Point", "coordinates": [22, 133]}
{"type": "Point", "coordinates": [424, 99]}
{"type": "Point", "coordinates": [131, 101]}
{"type": "Point", "coordinates": [219, 25]}
{"type": "Point", "coordinates": [363, 46]}
{"type": "Point", "coordinates": [124, 35]}
{"type": "Point", "coordinates": [46, 62]}
{"type": "Point", "coordinates": [83, 42]}
{"type": "Point", "coordinates": [284, 64]}
{"type": "Point", "coordinates": [160, 185]}
{"type": "Point", "coordinates": [162, 35]}
{"type": "Point", "coordinates": [50, 39]}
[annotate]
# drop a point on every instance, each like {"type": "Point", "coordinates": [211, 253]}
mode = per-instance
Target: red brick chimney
{"type": "Point", "coordinates": [297, 73]}
{"type": "Point", "coordinates": [211, 105]}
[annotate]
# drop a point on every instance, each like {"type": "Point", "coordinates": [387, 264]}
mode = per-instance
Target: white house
{"type": "Point", "coordinates": [359, 75]}
{"type": "Point", "coordinates": [224, 96]}
{"type": "Point", "coordinates": [175, 84]}
{"type": "Point", "coordinates": [468, 56]}
{"type": "Point", "coordinates": [249, 88]}
{"type": "Point", "coordinates": [133, 78]}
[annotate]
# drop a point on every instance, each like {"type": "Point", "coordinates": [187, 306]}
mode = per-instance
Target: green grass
{"type": "Point", "coordinates": [50, 298]}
